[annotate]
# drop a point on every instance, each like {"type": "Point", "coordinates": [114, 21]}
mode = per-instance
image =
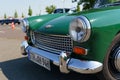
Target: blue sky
{"type": "Point", "coordinates": [21, 6]}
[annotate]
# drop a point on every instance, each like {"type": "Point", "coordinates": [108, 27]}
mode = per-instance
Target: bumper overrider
{"type": "Point", "coordinates": [65, 63]}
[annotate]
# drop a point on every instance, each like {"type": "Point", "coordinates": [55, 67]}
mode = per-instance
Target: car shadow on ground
{"type": "Point", "coordinates": [23, 69]}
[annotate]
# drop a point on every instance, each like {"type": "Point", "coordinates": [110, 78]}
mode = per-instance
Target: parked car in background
{"type": "Point", "coordinates": [16, 21]}
{"type": "Point", "coordinates": [9, 21]}
{"type": "Point", "coordinates": [63, 10]}
{"type": "Point", "coordinates": [86, 42]}
{"type": "Point", "coordinates": [0, 21]}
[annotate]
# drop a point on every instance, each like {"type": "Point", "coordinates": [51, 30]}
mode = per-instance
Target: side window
{"type": "Point", "coordinates": [66, 10]}
{"type": "Point", "coordinates": [58, 11]}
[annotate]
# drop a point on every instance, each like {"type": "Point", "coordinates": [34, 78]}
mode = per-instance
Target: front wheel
{"type": "Point", "coordinates": [111, 68]}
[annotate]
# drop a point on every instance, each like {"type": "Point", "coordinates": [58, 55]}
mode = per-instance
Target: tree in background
{"type": "Point", "coordinates": [89, 5]}
{"type": "Point", "coordinates": [15, 14]}
{"type": "Point", "coordinates": [30, 11]}
{"type": "Point", "coordinates": [5, 16]}
{"type": "Point", "coordinates": [23, 15]}
{"type": "Point", "coordinates": [50, 9]}
{"type": "Point", "coordinates": [78, 8]}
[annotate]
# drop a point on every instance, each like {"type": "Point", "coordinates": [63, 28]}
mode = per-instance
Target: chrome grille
{"type": "Point", "coordinates": [52, 43]}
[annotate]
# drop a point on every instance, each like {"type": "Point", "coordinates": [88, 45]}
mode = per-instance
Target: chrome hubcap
{"type": "Point", "coordinates": [117, 60]}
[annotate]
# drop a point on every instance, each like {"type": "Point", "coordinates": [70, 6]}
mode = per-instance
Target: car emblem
{"type": "Point", "coordinates": [48, 26]}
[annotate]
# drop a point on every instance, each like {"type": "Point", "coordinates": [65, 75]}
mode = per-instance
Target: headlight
{"type": "Point", "coordinates": [25, 25]}
{"type": "Point", "coordinates": [80, 29]}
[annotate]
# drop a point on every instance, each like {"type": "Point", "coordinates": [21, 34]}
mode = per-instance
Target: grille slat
{"type": "Point", "coordinates": [52, 43]}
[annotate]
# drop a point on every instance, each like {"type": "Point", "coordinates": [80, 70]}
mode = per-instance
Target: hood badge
{"type": "Point", "coordinates": [48, 26]}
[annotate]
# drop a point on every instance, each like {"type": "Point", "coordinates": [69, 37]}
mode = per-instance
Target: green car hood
{"type": "Point", "coordinates": [58, 26]}
{"type": "Point", "coordinates": [36, 21]}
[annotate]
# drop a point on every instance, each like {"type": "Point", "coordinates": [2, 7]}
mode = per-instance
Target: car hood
{"type": "Point", "coordinates": [37, 21]}
{"type": "Point", "coordinates": [58, 26]}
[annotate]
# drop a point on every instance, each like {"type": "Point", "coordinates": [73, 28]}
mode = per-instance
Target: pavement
{"type": "Point", "coordinates": [14, 66]}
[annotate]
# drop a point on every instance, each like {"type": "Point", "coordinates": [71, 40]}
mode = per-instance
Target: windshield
{"type": "Point", "coordinates": [102, 3]}
{"type": "Point", "coordinates": [113, 1]}
{"type": "Point", "coordinates": [108, 1]}
{"type": "Point", "coordinates": [89, 4]}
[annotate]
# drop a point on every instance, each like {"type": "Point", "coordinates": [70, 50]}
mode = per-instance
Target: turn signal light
{"type": "Point", "coordinates": [80, 51]}
{"type": "Point", "coordinates": [26, 37]}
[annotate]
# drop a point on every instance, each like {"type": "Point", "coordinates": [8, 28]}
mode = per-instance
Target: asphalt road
{"type": "Point", "coordinates": [14, 66]}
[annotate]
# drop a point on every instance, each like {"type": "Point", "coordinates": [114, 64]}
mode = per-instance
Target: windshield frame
{"type": "Point", "coordinates": [99, 3]}
{"type": "Point", "coordinates": [105, 3]}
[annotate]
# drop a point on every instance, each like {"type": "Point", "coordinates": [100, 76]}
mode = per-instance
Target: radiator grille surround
{"type": "Point", "coordinates": [52, 43]}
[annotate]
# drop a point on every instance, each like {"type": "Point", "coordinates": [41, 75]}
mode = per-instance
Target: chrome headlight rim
{"type": "Point", "coordinates": [25, 25]}
{"type": "Point", "coordinates": [85, 28]}
{"type": "Point", "coordinates": [32, 36]}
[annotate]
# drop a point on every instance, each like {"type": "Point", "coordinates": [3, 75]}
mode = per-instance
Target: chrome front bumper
{"type": "Point", "coordinates": [65, 63]}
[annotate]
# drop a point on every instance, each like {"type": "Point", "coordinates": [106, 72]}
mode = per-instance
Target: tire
{"type": "Point", "coordinates": [110, 70]}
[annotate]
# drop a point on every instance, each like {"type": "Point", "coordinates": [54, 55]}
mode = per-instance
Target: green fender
{"type": "Point", "coordinates": [105, 25]}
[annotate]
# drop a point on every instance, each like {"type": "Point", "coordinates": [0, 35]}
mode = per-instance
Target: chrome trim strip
{"type": "Point", "coordinates": [53, 34]}
{"type": "Point", "coordinates": [88, 28]}
{"type": "Point", "coordinates": [80, 66]}
{"type": "Point", "coordinates": [25, 25]}
{"type": "Point", "coordinates": [48, 26]}
{"type": "Point", "coordinates": [32, 37]}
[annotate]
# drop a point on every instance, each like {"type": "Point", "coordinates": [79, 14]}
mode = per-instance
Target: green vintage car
{"type": "Point", "coordinates": [86, 42]}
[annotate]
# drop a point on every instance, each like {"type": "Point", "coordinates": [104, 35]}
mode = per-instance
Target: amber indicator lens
{"type": "Point", "coordinates": [79, 51]}
{"type": "Point", "coordinates": [26, 37]}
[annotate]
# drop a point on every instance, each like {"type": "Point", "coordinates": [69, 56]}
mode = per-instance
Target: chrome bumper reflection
{"type": "Point", "coordinates": [65, 63]}
{"type": "Point", "coordinates": [24, 45]}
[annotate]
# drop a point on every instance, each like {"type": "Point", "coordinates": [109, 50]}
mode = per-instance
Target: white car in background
{"type": "Point", "coordinates": [63, 10]}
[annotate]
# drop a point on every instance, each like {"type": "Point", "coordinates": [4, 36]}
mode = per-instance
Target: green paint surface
{"type": "Point", "coordinates": [105, 24]}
